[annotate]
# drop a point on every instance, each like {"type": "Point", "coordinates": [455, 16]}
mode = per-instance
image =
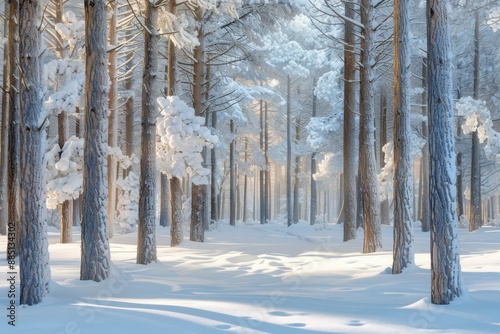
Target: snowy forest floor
{"type": "Point", "coordinates": [262, 279]}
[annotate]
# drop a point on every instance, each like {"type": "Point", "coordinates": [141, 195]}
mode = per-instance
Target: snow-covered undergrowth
{"type": "Point", "coordinates": [262, 279]}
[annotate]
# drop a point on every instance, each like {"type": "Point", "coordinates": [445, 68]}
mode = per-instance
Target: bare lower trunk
{"type": "Point", "coordinates": [95, 262]}
{"type": "Point", "coordinates": [176, 232]}
{"type": "Point", "coordinates": [33, 255]}
{"type": "Point", "coordinates": [165, 201]}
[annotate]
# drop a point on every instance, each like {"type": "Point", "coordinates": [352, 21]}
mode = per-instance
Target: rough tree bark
{"type": "Point", "coordinates": [289, 205]}
{"type": "Point", "coordinates": [314, 194]}
{"type": "Point", "coordinates": [371, 208]}
{"type": "Point", "coordinates": [296, 204]}
{"type": "Point", "coordinates": [15, 123]}
{"type": "Point", "coordinates": [263, 200]}
{"type": "Point", "coordinates": [475, 216]}
{"type": "Point", "coordinates": [245, 185]}
{"type": "Point", "coordinates": [384, 206]}
{"type": "Point", "coordinates": [403, 178]}
{"type": "Point", "coordinates": [446, 281]}
{"type": "Point", "coordinates": [267, 174]}
{"type": "Point", "coordinates": [424, 202]}
{"type": "Point", "coordinates": [4, 158]}
{"type": "Point", "coordinates": [198, 192]}
{"type": "Point", "coordinates": [232, 176]}
{"type": "Point", "coordinates": [146, 242]}
{"type": "Point", "coordinates": [66, 208]}
{"type": "Point", "coordinates": [113, 116]}
{"type": "Point", "coordinates": [95, 262]}
{"type": "Point", "coordinates": [34, 254]}
{"type": "Point", "coordinates": [350, 127]}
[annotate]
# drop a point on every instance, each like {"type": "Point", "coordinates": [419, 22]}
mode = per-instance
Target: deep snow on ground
{"type": "Point", "coordinates": [262, 279]}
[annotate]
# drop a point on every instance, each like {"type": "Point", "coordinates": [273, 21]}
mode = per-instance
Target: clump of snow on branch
{"type": "Point", "coordinates": [386, 176]}
{"type": "Point", "coordinates": [478, 118]}
{"type": "Point", "coordinates": [329, 167]}
{"type": "Point", "coordinates": [182, 139]}
{"type": "Point", "coordinates": [128, 203]}
{"type": "Point", "coordinates": [65, 77]}
{"type": "Point", "coordinates": [321, 130]}
{"type": "Point", "coordinates": [64, 172]}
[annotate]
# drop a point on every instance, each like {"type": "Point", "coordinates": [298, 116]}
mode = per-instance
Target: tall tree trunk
{"type": "Point", "coordinates": [314, 193]}
{"type": "Point", "coordinates": [267, 173]}
{"type": "Point", "coordinates": [296, 204]}
{"type": "Point", "coordinates": [446, 281]}
{"type": "Point", "coordinates": [403, 178]}
{"type": "Point", "coordinates": [371, 208]}
{"type": "Point", "coordinates": [95, 262]}
{"type": "Point", "coordinates": [289, 206]}
{"type": "Point", "coordinates": [384, 206]}
{"type": "Point", "coordinates": [129, 109]}
{"type": "Point", "coordinates": [245, 185]}
{"type": "Point", "coordinates": [263, 199]}
{"type": "Point", "coordinates": [198, 192]}
{"type": "Point", "coordinates": [77, 202]}
{"type": "Point", "coordinates": [113, 116]}
{"type": "Point", "coordinates": [475, 218]}
{"type": "Point", "coordinates": [424, 202]}
{"type": "Point", "coordinates": [350, 128]}
{"type": "Point", "coordinates": [214, 194]}
{"type": "Point", "coordinates": [15, 123]}
{"type": "Point", "coordinates": [66, 208]}
{"type": "Point", "coordinates": [4, 151]}
{"type": "Point", "coordinates": [232, 177]}
{"type": "Point", "coordinates": [34, 253]}
{"type": "Point", "coordinates": [146, 242]}
{"type": "Point", "coordinates": [176, 227]}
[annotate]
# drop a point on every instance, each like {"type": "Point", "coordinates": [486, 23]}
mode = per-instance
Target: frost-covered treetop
{"type": "Point", "coordinates": [182, 138]}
